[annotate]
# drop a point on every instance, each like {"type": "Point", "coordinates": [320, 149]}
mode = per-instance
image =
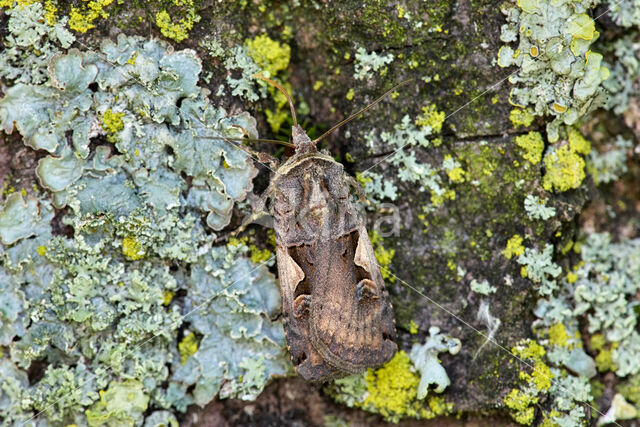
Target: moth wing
{"type": "Point", "coordinates": [351, 322]}
{"type": "Point", "coordinates": [307, 361]}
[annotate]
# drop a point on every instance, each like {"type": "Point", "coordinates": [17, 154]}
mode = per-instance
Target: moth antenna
{"type": "Point", "coordinates": [356, 114]}
{"type": "Point", "coordinates": [272, 141]}
{"type": "Point", "coordinates": [284, 91]}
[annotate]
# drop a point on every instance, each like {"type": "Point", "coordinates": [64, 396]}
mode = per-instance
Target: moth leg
{"type": "Point", "coordinates": [302, 305]}
{"type": "Point", "coordinates": [366, 289]}
{"type": "Point", "coordinates": [258, 212]}
{"type": "Point", "coordinates": [357, 188]}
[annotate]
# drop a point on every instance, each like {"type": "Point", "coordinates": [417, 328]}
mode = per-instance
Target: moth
{"type": "Point", "coordinates": [338, 319]}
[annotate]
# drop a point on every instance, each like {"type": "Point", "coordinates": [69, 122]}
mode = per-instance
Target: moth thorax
{"type": "Point", "coordinates": [301, 140]}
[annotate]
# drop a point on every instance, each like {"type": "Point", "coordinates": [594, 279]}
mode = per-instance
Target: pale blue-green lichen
{"type": "Point", "coordinates": [367, 64]}
{"type": "Point", "coordinates": [537, 209]}
{"type": "Point", "coordinates": [30, 44]}
{"type": "Point", "coordinates": [540, 268]}
{"type": "Point", "coordinates": [406, 140]}
{"type": "Point", "coordinates": [483, 287]}
{"type": "Point", "coordinates": [239, 59]}
{"type": "Point", "coordinates": [625, 13]}
{"type": "Point", "coordinates": [608, 166]}
{"type": "Point", "coordinates": [625, 71]}
{"type": "Point", "coordinates": [425, 360]}
{"type": "Point", "coordinates": [602, 295]}
{"type": "Point", "coordinates": [620, 410]}
{"type": "Point", "coordinates": [102, 308]}
{"type": "Point", "coordinates": [558, 74]}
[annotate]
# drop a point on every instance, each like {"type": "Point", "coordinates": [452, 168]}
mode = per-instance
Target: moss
{"type": "Point", "coordinates": [558, 335]}
{"type": "Point", "coordinates": [188, 347]}
{"type": "Point", "coordinates": [533, 145]}
{"type": "Point", "coordinates": [521, 405]}
{"type": "Point", "coordinates": [514, 247]}
{"type": "Point", "coordinates": [564, 170]}
{"type": "Point", "coordinates": [82, 19]}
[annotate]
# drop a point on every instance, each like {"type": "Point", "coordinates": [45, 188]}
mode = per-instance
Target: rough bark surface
{"type": "Point", "coordinates": [451, 59]}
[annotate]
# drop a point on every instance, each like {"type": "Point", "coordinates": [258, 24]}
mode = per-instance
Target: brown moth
{"type": "Point", "coordinates": [337, 316]}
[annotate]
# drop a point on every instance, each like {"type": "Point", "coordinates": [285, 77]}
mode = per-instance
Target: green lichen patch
{"type": "Point", "coordinates": [176, 22]}
{"type": "Point", "coordinates": [139, 266]}
{"type": "Point", "coordinates": [81, 19]}
{"type": "Point", "coordinates": [564, 170]}
{"type": "Point", "coordinates": [31, 44]}
{"type": "Point", "coordinates": [270, 55]}
{"type": "Point", "coordinates": [532, 145]}
{"type": "Point", "coordinates": [396, 390]}
{"type": "Point", "coordinates": [558, 75]}
{"type": "Point", "coordinates": [121, 404]}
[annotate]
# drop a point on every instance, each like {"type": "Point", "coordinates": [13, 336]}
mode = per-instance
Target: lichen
{"type": "Point", "coordinates": [521, 405]}
{"type": "Point", "coordinates": [514, 247]}
{"type": "Point", "coordinates": [139, 267]}
{"type": "Point", "coordinates": [392, 389]}
{"type": "Point", "coordinates": [454, 170]}
{"type": "Point", "coordinates": [425, 359]}
{"type": "Point", "coordinates": [405, 138]}
{"type": "Point", "coordinates": [366, 64]}
{"type": "Point", "coordinates": [521, 117]}
{"type": "Point", "coordinates": [121, 404]}
{"type": "Point", "coordinates": [522, 401]}
{"type": "Point", "coordinates": [270, 55]}
{"type": "Point", "coordinates": [533, 145]}
{"type": "Point", "coordinates": [558, 74]}
{"type": "Point", "coordinates": [188, 347]}
{"type": "Point", "coordinates": [179, 30]}
{"type": "Point", "coordinates": [432, 118]}
{"type": "Point", "coordinates": [540, 268]}
{"type": "Point", "coordinates": [81, 19]}
{"type": "Point", "coordinates": [610, 165]}
{"type": "Point", "coordinates": [31, 43]}
{"type": "Point", "coordinates": [395, 391]}
{"type": "Point", "coordinates": [564, 170]}
{"type": "Point", "coordinates": [483, 288]}
{"type": "Point", "coordinates": [537, 209]}
{"type": "Point", "coordinates": [620, 410]}
{"type": "Point", "coordinates": [384, 256]}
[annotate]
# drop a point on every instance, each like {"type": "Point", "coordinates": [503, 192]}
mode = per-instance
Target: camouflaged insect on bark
{"type": "Point", "coordinates": [337, 315]}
